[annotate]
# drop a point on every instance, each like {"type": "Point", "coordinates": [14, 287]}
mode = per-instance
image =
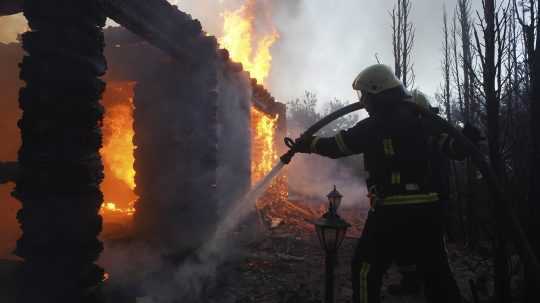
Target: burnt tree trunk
{"type": "Point", "coordinates": [446, 68]}
{"type": "Point", "coordinates": [405, 10]}
{"type": "Point", "coordinates": [402, 42]}
{"type": "Point", "coordinates": [60, 167]}
{"type": "Point", "coordinates": [502, 283]}
{"type": "Point", "coordinates": [465, 24]}
{"type": "Point", "coordinates": [534, 189]}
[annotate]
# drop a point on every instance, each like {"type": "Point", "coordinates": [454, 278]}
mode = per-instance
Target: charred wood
{"type": "Point", "coordinates": [60, 167]}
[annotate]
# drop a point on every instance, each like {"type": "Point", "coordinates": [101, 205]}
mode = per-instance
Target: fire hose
{"type": "Point", "coordinates": [286, 158]}
{"type": "Point", "coordinates": [513, 231]}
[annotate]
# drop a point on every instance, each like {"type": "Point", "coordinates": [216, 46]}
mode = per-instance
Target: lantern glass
{"type": "Point", "coordinates": [334, 200]}
{"type": "Point", "coordinates": [331, 237]}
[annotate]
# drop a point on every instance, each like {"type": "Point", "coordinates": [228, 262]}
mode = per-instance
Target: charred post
{"type": "Point", "coordinates": [60, 167]}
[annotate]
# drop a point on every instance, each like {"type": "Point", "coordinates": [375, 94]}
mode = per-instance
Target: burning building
{"type": "Point", "coordinates": [186, 131]}
{"type": "Point", "coordinates": [183, 143]}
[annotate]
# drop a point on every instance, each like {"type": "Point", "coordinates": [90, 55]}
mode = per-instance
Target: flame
{"type": "Point", "coordinates": [110, 207]}
{"type": "Point", "coordinates": [264, 154]}
{"type": "Point", "coordinates": [117, 151]}
{"type": "Point", "coordinates": [105, 277]}
{"type": "Point", "coordinates": [240, 40]}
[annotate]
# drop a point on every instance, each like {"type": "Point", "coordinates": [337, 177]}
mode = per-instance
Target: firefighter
{"type": "Point", "coordinates": [405, 220]}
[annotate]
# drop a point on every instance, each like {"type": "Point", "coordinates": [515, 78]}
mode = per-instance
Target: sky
{"type": "Point", "coordinates": [324, 44]}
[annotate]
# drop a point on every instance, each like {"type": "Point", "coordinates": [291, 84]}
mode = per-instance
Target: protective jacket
{"type": "Point", "coordinates": [400, 147]}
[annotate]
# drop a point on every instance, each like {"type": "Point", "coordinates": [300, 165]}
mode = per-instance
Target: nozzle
{"type": "Point", "coordinates": [286, 157]}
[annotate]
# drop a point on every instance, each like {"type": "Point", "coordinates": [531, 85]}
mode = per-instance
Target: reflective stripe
{"type": "Point", "coordinates": [396, 177]}
{"type": "Point", "coordinates": [364, 282]}
{"type": "Point", "coordinates": [313, 145]}
{"type": "Point", "coordinates": [410, 199]}
{"type": "Point", "coordinates": [412, 187]}
{"type": "Point", "coordinates": [341, 144]}
{"type": "Point", "coordinates": [388, 147]}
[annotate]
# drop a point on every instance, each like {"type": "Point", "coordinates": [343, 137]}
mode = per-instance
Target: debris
{"type": "Point", "coordinates": [275, 222]}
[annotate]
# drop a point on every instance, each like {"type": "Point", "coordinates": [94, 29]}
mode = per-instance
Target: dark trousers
{"type": "Point", "coordinates": [404, 232]}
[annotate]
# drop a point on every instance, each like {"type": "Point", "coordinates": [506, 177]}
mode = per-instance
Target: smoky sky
{"type": "Point", "coordinates": [323, 44]}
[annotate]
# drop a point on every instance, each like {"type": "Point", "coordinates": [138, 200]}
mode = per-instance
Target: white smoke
{"type": "Point", "coordinates": [311, 177]}
{"type": "Point", "coordinates": [139, 268]}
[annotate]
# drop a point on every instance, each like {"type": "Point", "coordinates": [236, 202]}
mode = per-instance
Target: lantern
{"type": "Point", "coordinates": [331, 231]}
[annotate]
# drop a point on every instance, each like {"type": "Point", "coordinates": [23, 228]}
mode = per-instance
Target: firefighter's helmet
{"type": "Point", "coordinates": [420, 98]}
{"type": "Point", "coordinates": [375, 79]}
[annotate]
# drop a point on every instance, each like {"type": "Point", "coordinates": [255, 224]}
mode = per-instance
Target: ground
{"type": "Point", "coordinates": [285, 265]}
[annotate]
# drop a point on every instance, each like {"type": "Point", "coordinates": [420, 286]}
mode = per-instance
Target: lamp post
{"type": "Point", "coordinates": [331, 232]}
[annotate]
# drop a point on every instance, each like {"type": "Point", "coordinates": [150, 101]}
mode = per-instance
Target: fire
{"type": "Point", "coordinates": [117, 151]}
{"type": "Point", "coordinates": [264, 154]}
{"type": "Point", "coordinates": [111, 207]}
{"type": "Point", "coordinates": [240, 39]}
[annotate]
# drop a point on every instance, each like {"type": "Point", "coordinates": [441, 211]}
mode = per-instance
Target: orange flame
{"type": "Point", "coordinates": [117, 150]}
{"type": "Point", "coordinates": [240, 40]}
{"type": "Point", "coordinates": [264, 153]}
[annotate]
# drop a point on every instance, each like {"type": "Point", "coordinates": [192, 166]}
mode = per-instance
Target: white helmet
{"type": "Point", "coordinates": [375, 79]}
{"type": "Point", "coordinates": [420, 98]}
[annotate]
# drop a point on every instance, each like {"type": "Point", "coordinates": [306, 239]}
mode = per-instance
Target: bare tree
{"type": "Point", "coordinates": [534, 193]}
{"type": "Point", "coordinates": [456, 70]}
{"type": "Point", "coordinates": [446, 68]}
{"type": "Point", "coordinates": [530, 24]}
{"type": "Point", "coordinates": [465, 25]}
{"type": "Point", "coordinates": [403, 41]}
{"type": "Point", "coordinates": [491, 52]}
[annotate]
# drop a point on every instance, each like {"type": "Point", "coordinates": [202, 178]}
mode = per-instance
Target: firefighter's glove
{"type": "Point", "coordinates": [303, 144]}
{"type": "Point", "coordinates": [472, 133]}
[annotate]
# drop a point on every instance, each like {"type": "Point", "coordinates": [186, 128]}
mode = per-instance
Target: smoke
{"type": "Point", "coordinates": [149, 275]}
{"type": "Point", "coordinates": [312, 177]}
{"type": "Point", "coordinates": [288, 8]}
{"type": "Point", "coordinates": [155, 277]}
